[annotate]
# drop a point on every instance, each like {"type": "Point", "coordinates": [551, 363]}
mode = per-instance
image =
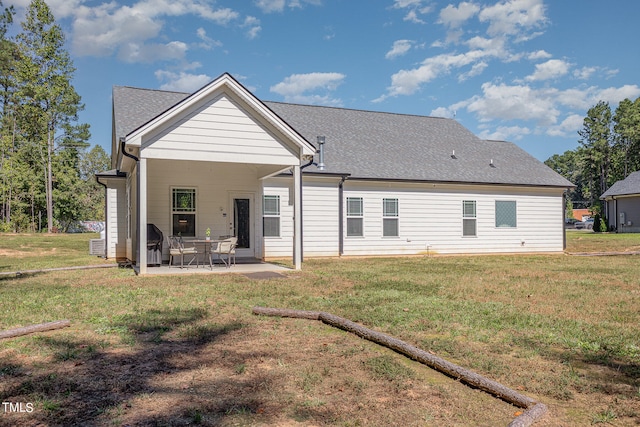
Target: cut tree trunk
{"type": "Point", "coordinates": [41, 327]}
{"type": "Point", "coordinates": [534, 409]}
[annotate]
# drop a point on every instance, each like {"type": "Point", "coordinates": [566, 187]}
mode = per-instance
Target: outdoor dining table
{"type": "Point", "coordinates": [204, 243]}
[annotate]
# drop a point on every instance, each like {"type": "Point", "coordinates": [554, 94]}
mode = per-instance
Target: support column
{"type": "Point", "coordinates": [297, 216]}
{"type": "Point", "coordinates": [142, 216]}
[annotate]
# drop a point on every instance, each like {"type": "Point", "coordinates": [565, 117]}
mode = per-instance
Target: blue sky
{"type": "Point", "coordinates": [525, 71]}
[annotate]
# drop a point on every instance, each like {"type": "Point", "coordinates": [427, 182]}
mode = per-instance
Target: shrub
{"type": "Point", "coordinates": [598, 224]}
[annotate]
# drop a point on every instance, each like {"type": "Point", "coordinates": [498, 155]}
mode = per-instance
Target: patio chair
{"type": "Point", "coordinates": [225, 247]}
{"type": "Point", "coordinates": [176, 248]}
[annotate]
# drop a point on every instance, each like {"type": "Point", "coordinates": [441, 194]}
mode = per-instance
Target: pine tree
{"type": "Point", "coordinates": [596, 151]}
{"type": "Point", "coordinates": [48, 103]}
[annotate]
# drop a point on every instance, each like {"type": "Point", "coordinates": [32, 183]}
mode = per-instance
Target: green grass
{"type": "Point", "coordinates": [38, 251]}
{"type": "Point", "coordinates": [588, 241]}
{"type": "Point", "coordinates": [561, 328]}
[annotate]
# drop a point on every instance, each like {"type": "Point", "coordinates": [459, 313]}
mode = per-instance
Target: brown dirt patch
{"type": "Point", "coordinates": [254, 372]}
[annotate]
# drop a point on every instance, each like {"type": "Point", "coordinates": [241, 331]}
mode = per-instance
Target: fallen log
{"type": "Point", "coordinates": [534, 410]}
{"type": "Point", "coordinates": [529, 416]}
{"type": "Point", "coordinates": [41, 327]}
{"type": "Point", "coordinates": [47, 270]}
{"type": "Point", "coordinates": [284, 312]}
{"type": "Point", "coordinates": [469, 377]}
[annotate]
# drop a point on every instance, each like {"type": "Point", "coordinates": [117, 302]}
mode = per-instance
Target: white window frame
{"type": "Point", "coordinates": [388, 217]}
{"type": "Point", "coordinates": [468, 217]}
{"type": "Point", "coordinates": [271, 214]}
{"type": "Point", "coordinates": [355, 216]}
{"type": "Point", "coordinates": [515, 205]}
{"type": "Point", "coordinates": [192, 210]}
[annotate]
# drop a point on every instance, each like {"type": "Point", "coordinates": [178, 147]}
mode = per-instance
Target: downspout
{"type": "Point", "coordinates": [124, 152]}
{"type": "Point", "coordinates": [106, 223]}
{"type": "Point", "coordinates": [137, 160]}
{"type": "Point", "coordinates": [564, 220]}
{"type": "Point", "coordinates": [615, 212]}
{"type": "Point", "coordinates": [341, 216]}
{"type": "Point", "coordinates": [301, 210]}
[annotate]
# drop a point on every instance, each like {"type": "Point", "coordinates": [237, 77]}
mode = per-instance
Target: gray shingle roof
{"type": "Point", "coordinates": [375, 145]}
{"type": "Point", "coordinates": [629, 185]}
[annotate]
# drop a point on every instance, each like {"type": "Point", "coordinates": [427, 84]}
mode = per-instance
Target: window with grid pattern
{"type": "Point", "coordinates": [355, 217]}
{"type": "Point", "coordinates": [469, 218]}
{"type": "Point", "coordinates": [390, 218]}
{"type": "Point", "coordinates": [183, 207]}
{"type": "Point", "coordinates": [271, 216]}
{"type": "Point", "coordinates": [506, 214]}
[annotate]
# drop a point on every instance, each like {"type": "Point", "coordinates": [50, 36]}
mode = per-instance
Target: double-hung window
{"type": "Point", "coordinates": [355, 217]}
{"type": "Point", "coordinates": [271, 216]}
{"type": "Point", "coordinates": [390, 218]}
{"type": "Point", "coordinates": [469, 218]}
{"type": "Point", "coordinates": [183, 211]}
{"type": "Point", "coordinates": [506, 214]}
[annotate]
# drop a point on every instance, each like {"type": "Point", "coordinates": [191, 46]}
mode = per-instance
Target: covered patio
{"type": "Point", "coordinates": [198, 169]}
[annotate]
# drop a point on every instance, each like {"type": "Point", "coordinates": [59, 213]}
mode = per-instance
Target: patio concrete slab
{"type": "Point", "coordinates": [249, 268]}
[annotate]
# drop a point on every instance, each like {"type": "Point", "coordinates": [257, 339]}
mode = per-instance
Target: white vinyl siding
{"type": "Point", "coordinates": [431, 219]}
{"type": "Point", "coordinates": [116, 221]}
{"type": "Point", "coordinates": [390, 227]}
{"type": "Point", "coordinates": [271, 216]}
{"type": "Point", "coordinates": [355, 217]}
{"type": "Point", "coordinates": [219, 131]}
{"type": "Point", "coordinates": [506, 213]}
{"type": "Point", "coordinates": [320, 217]}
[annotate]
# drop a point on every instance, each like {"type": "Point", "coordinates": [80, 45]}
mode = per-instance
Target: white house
{"type": "Point", "coordinates": [623, 204]}
{"type": "Point", "coordinates": [381, 183]}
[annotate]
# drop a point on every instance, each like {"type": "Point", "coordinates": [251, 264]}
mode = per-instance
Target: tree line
{"type": "Point", "coordinates": [46, 167]}
{"type": "Point", "coordinates": [608, 151]}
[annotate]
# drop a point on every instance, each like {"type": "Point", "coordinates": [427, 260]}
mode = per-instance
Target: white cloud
{"type": "Point", "coordinates": [614, 95]}
{"type": "Point", "coordinates": [505, 133]}
{"type": "Point", "coordinates": [109, 27]}
{"type": "Point", "coordinates": [400, 47]}
{"type": "Point", "coordinates": [514, 17]}
{"type": "Point", "coordinates": [407, 82]}
{"type": "Point", "coordinates": [416, 8]}
{"type": "Point", "coordinates": [253, 25]}
{"type": "Point", "coordinates": [295, 88]}
{"type": "Point", "coordinates": [270, 6]}
{"type": "Point", "coordinates": [568, 127]}
{"type": "Point", "coordinates": [551, 69]}
{"type": "Point", "coordinates": [401, 4]}
{"type": "Point", "coordinates": [182, 81]}
{"type": "Point", "coordinates": [539, 54]}
{"type": "Point", "coordinates": [586, 97]}
{"type": "Point", "coordinates": [412, 16]}
{"type": "Point", "coordinates": [442, 112]}
{"type": "Point", "coordinates": [153, 52]}
{"type": "Point", "coordinates": [476, 70]}
{"type": "Point", "coordinates": [521, 102]}
{"type": "Point", "coordinates": [453, 17]}
{"type": "Point", "coordinates": [207, 42]}
{"type": "Point", "coordinates": [584, 73]}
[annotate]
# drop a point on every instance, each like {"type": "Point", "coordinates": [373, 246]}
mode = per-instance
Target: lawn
{"type": "Point", "coordinates": [185, 350]}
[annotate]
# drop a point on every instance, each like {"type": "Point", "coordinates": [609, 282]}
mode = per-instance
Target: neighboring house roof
{"type": "Point", "coordinates": [627, 186]}
{"type": "Point", "coordinates": [375, 145]}
{"type": "Point", "coordinates": [581, 213]}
